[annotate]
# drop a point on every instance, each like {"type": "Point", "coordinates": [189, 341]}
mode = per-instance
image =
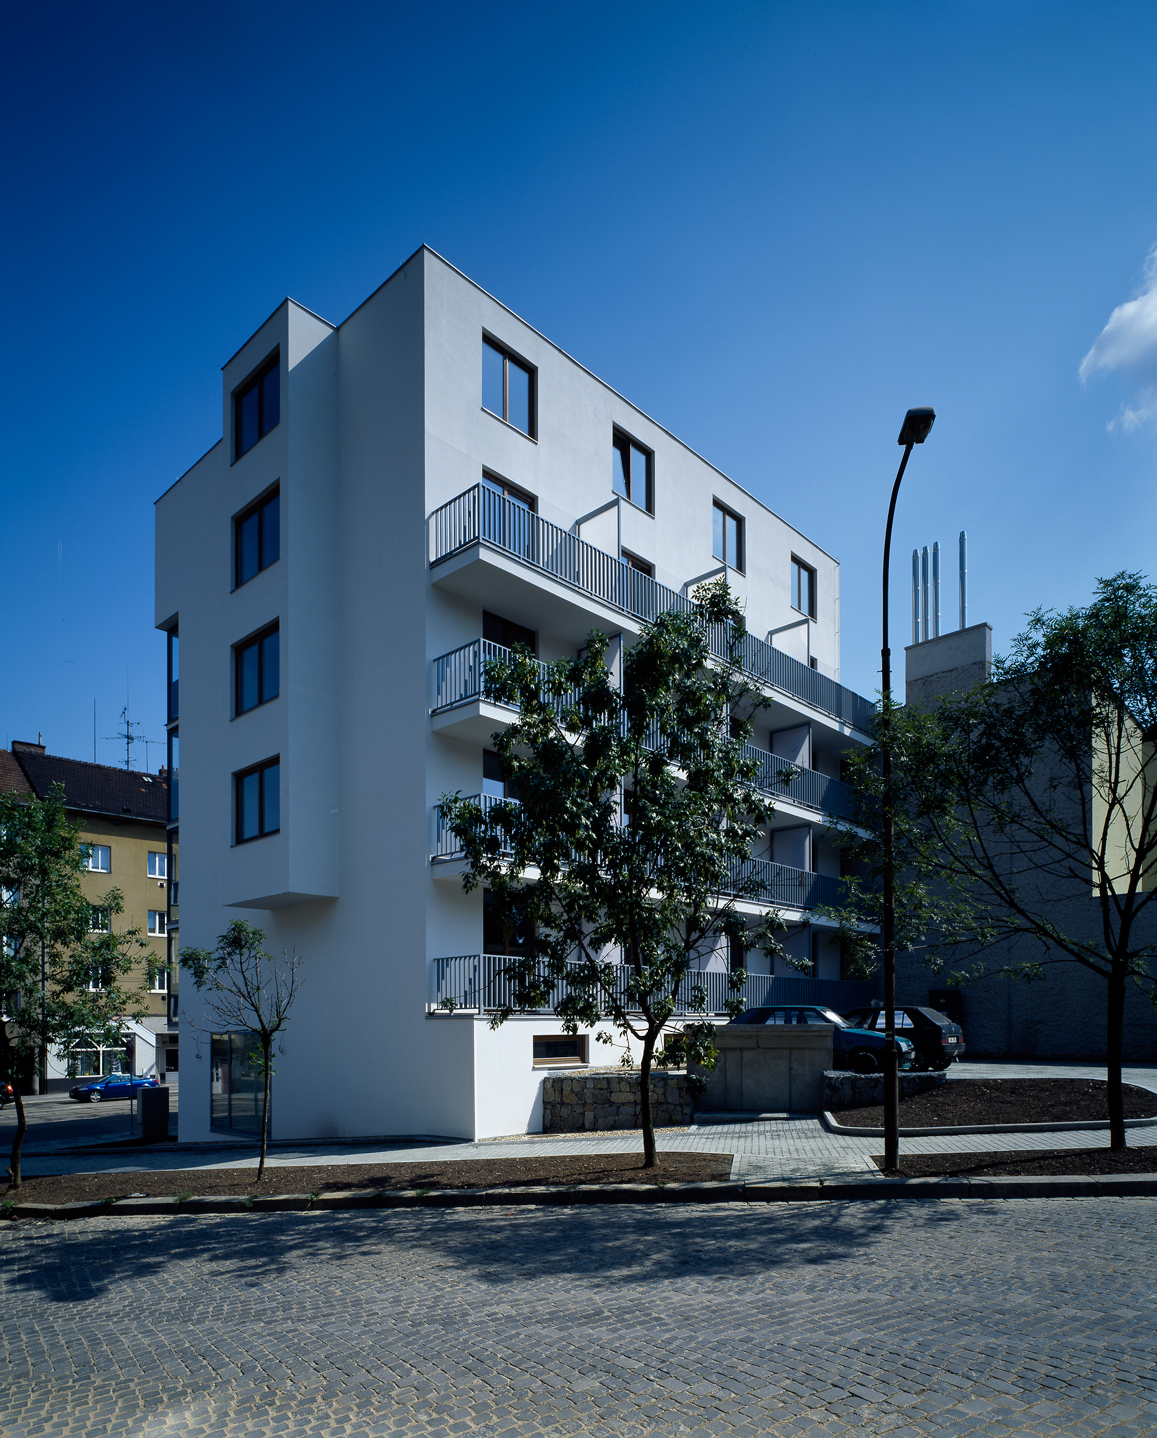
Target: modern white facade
{"type": "Point", "coordinates": [396, 555]}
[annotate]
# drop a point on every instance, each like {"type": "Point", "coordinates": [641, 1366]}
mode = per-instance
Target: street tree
{"type": "Point", "coordinates": [64, 966]}
{"type": "Point", "coordinates": [616, 869]}
{"type": "Point", "coordinates": [1027, 809]}
{"type": "Point", "coordinates": [244, 987]}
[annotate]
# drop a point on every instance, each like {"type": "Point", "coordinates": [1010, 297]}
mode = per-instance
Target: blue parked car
{"type": "Point", "coordinates": [111, 1086]}
{"type": "Point", "coordinates": [860, 1050]}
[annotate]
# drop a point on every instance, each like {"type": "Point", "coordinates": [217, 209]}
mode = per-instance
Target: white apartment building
{"type": "Point", "coordinates": [391, 497]}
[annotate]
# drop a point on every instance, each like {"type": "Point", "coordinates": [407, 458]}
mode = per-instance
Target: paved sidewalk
{"type": "Point", "coordinates": [789, 1148]}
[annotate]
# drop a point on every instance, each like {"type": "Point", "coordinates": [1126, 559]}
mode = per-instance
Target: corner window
{"type": "Point", "coordinates": [803, 587]}
{"type": "Point", "coordinates": [632, 472]}
{"type": "Point", "coordinates": [157, 923]}
{"type": "Point", "coordinates": [100, 858]}
{"type": "Point", "coordinates": [256, 538]}
{"type": "Point", "coordinates": [256, 666]}
{"type": "Point", "coordinates": [727, 536]}
{"type": "Point", "coordinates": [174, 673]}
{"type": "Point", "coordinates": [174, 772]}
{"type": "Point", "coordinates": [257, 406]}
{"type": "Point", "coordinates": [258, 801]}
{"type": "Point", "coordinates": [507, 387]}
{"type": "Point", "coordinates": [158, 865]}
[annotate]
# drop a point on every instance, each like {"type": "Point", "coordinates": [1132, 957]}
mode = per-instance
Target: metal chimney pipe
{"type": "Point", "coordinates": [964, 579]}
{"type": "Point", "coordinates": [925, 595]}
{"type": "Point", "coordinates": [936, 590]}
{"type": "Point", "coordinates": [915, 596]}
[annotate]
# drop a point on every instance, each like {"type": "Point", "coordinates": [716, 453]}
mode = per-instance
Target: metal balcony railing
{"type": "Point", "coordinates": [459, 677]}
{"type": "Point", "coordinates": [479, 982]}
{"type": "Point", "coordinates": [480, 514]}
{"type": "Point", "coordinates": [777, 884]}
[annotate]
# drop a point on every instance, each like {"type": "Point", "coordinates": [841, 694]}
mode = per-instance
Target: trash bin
{"type": "Point", "coordinates": [154, 1114]}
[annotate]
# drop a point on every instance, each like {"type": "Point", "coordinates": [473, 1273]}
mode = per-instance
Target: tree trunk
{"type": "Point", "coordinates": [1114, 1029]}
{"type": "Point", "coordinates": [649, 1159]}
{"type": "Point", "coordinates": [266, 1045]}
{"type": "Point", "coordinates": [18, 1141]}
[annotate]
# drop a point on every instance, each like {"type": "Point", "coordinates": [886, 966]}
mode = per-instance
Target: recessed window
{"type": "Point", "coordinates": [632, 472]}
{"type": "Point", "coordinates": [497, 630]}
{"type": "Point", "coordinates": [257, 406]}
{"type": "Point", "coordinates": [634, 562]}
{"type": "Point", "coordinates": [551, 1049]}
{"type": "Point", "coordinates": [803, 587]}
{"type": "Point", "coordinates": [256, 538]}
{"type": "Point", "coordinates": [258, 801]}
{"type": "Point", "coordinates": [174, 772]}
{"type": "Point", "coordinates": [100, 858]}
{"type": "Point", "coordinates": [158, 865]}
{"type": "Point", "coordinates": [494, 785]}
{"type": "Point", "coordinates": [174, 673]}
{"type": "Point", "coordinates": [727, 536]}
{"type": "Point", "coordinates": [99, 922]}
{"type": "Point", "coordinates": [256, 678]}
{"type": "Point", "coordinates": [507, 387]}
{"type": "Point", "coordinates": [157, 923]}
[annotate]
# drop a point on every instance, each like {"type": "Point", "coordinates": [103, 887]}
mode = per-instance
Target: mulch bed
{"type": "Point", "coordinates": [971, 1101]}
{"type": "Point", "coordinates": [1026, 1163]}
{"type": "Point", "coordinates": [327, 1178]}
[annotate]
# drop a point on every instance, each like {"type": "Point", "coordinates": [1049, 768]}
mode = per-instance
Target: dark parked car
{"type": "Point", "coordinates": [938, 1040]}
{"type": "Point", "coordinates": [7, 1093]}
{"type": "Point", "coordinates": [111, 1086]}
{"type": "Point", "coordinates": [858, 1049]}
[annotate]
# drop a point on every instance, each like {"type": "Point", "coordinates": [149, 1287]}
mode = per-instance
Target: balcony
{"type": "Point", "coordinates": [478, 982]}
{"type": "Point", "coordinates": [460, 685]}
{"type": "Point", "coordinates": [777, 884]}
{"type": "Point", "coordinates": [481, 516]}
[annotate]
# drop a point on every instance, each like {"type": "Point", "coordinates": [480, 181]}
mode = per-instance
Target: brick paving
{"type": "Point", "coordinates": [948, 1318]}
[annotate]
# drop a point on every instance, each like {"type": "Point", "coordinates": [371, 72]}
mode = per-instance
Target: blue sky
{"type": "Point", "coordinates": [773, 227]}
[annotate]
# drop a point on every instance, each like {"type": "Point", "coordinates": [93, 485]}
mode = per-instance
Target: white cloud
{"type": "Point", "coordinates": [1129, 343]}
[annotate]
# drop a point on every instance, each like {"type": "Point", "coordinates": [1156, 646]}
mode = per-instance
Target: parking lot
{"type": "Point", "coordinates": [953, 1318]}
{"type": "Point", "coordinates": [55, 1119]}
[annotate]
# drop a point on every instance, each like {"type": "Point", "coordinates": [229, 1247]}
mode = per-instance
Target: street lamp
{"type": "Point", "coordinates": [914, 430]}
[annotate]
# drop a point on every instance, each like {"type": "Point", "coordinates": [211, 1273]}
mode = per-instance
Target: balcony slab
{"type": "Point", "coordinates": [475, 721]}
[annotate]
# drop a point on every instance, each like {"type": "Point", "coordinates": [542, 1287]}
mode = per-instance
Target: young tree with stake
{"type": "Point", "coordinates": [243, 987]}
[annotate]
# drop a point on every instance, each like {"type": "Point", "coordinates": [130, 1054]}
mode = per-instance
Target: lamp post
{"type": "Point", "coordinates": [914, 430]}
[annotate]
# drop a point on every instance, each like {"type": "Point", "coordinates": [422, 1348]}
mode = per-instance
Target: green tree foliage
{"type": "Point", "coordinates": [1028, 807]}
{"type": "Point", "coordinates": [637, 809]}
{"type": "Point", "coordinates": [244, 987]}
{"type": "Point", "coordinates": [48, 957]}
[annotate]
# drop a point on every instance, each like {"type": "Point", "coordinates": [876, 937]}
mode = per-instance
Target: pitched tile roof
{"type": "Point", "coordinates": [12, 780]}
{"type": "Point", "coordinates": [97, 788]}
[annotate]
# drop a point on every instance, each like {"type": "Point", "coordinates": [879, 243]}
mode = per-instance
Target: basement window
{"type": "Point", "coordinates": [559, 1050]}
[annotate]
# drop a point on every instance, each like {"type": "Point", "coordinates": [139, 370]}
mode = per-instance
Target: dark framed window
{"type": "Point", "coordinates": [174, 674]}
{"type": "Point", "coordinates": [803, 587]}
{"type": "Point", "coordinates": [256, 538]}
{"type": "Point", "coordinates": [256, 677]}
{"type": "Point", "coordinates": [236, 1083]}
{"type": "Point", "coordinates": [633, 471]}
{"type": "Point", "coordinates": [258, 800]}
{"type": "Point", "coordinates": [257, 406]}
{"type": "Point", "coordinates": [508, 387]}
{"type": "Point", "coordinates": [727, 536]}
{"type": "Point", "coordinates": [499, 937]}
{"type": "Point", "coordinates": [634, 562]}
{"type": "Point", "coordinates": [559, 1049]}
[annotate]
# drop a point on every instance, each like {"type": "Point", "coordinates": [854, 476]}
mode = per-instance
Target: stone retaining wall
{"type": "Point", "coordinates": [849, 1090]}
{"type": "Point", "coordinates": [609, 1098]}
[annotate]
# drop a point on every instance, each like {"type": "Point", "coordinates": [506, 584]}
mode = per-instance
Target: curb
{"type": "Point", "coordinates": [1139, 1185]}
{"type": "Point", "coordinates": [833, 1125]}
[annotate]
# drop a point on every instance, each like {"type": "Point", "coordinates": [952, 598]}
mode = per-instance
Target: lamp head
{"type": "Point", "coordinates": [917, 423]}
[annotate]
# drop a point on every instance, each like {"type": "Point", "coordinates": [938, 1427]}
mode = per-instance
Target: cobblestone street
{"type": "Point", "coordinates": [954, 1318]}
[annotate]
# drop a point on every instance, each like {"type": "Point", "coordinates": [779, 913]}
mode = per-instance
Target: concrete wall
{"type": "Point", "coordinates": [765, 1068]}
{"type": "Point", "coordinates": [952, 662]}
